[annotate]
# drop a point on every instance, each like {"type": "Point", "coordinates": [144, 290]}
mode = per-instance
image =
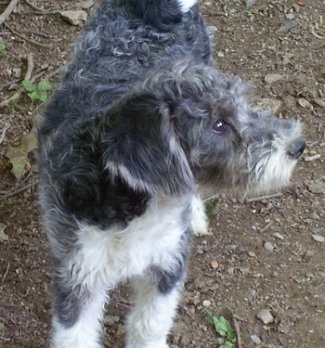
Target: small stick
{"type": "Point", "coordinates": [8, 10]}
{"type": "Point", "coordinates": [30, 66]}
{"type": "Point", "coordinates": [28, 75]}
{"type": "Point", "coordinates": [261, 198]}
{"type": "Point", "coordinates": [266, 227]}
{"type": "Point", "coordinates": [16, 192]}
{"type": "Point", "coordinates": [6, 273]}
{"type": "Point", "coordinates": [210, 198]}
{"type": "Point", "coordinates": [7, 84]}
{"type": "Point", "coordinates": [4, 131]}
{"type": "Point", "coordinates": [237, 329]}
{"type": "Point", "coordinates": [26, 38]}
{"type": "Point", "coordinates": [34, 7]}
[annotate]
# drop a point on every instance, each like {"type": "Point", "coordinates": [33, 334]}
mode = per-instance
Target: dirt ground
{"type": "Point", "coordinates": [262, 254]}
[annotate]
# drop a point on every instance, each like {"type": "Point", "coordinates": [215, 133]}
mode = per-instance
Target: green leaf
{"type": "Point", "coordinates": [42, 95]}
{"type": "Point", "coordinates": [227, 344]}
{"type": "Point", "coordinates": [223, 325]}
{"type": "Point", "coordinates": [44, 86]}
{"type": "Point", "coordinates": [33, 95]}
{"type": "Point", "coordinates": [224, 329]}
{"type": "Point", "coordinates": [29, 86]}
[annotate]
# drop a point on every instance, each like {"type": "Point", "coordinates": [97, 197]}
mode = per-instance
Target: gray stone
{"type": "Point", "coordinates": [77, 17]}
{"type": "Point", "coordinates": [265, 316]}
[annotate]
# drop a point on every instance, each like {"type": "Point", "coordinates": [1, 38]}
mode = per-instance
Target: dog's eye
{"type": "Point", "coordinates": [220, 126]}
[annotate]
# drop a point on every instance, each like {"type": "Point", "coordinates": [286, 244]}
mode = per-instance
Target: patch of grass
{"type": "Point", "coordinates": [37, 91]}
{"type": "Point", "coordinates": [224, 329]}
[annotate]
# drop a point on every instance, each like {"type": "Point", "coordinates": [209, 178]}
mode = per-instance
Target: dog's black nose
{"type": "Point", "coordinates": [297, 149]}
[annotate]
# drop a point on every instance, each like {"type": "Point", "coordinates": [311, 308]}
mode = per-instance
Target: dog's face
{"type": "Point", "coordinates": [191, 121]}
{"type": "Point", "coordinates": [228, 142]}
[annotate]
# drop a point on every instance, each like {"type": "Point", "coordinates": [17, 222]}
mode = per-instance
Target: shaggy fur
{"type": "Point", "coordinates": [142, 116]}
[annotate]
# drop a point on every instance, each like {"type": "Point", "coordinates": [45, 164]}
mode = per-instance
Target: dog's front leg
{"type": "Point", "coordinates": [152, 317]}
{"type": "Point", "coordinates": [78, 310]}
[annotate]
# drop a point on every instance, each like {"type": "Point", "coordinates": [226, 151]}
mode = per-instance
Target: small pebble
{"type": "Point", "coordinates": [278, 236]}
{"type": "Point", "coordinates": [265, 316]}
{"type": "Point", "coordinates": [268, 247]}
{"type": "Point", "coordinates": [270, 78]}
{"type": "Point", "coordinates": [206, 303]}
{"type": "Point", "coordinates": [250, 294]}
{"type": "Point", "coordinates": [304, 103]}
{"type": "Point", "coordinates": [318, 238]}
{"type": "Point", "coordinates": [251, 254]}
{"type": "Point", "coordinates": [256, 340]}
{"type": "Point", "coordinates": [214, 264]}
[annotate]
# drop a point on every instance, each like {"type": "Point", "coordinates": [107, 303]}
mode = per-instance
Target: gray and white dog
{"type": "Point", "coordinates": [143, 115]}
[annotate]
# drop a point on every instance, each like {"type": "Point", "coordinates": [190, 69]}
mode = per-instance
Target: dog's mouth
{"type": "Point", "coordinates": [270, 170]}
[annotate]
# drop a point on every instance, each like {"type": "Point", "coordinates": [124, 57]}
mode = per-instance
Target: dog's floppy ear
{"type": "Point", "coordinates": [143, 149]}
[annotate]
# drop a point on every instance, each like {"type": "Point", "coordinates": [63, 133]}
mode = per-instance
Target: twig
{"type": "Point", "coordinates": [33, 42]}
{"type": "Point", "coordinates": [4, 131]}
{"type": "Point", "coordinates": [8, 10]}
{"type": "Point", "coordinates": [17, 192]}
{"type": "Point", "coordinates": [42, 34]}
{"type": "Point", "coordinates": [34, 7]}
{"type": "Point", "coordinates": [210, 198]}
{"type": "Point", "coordinates": [237, 329]}
{"type": "Point", "coordinates": [7, 84]}
{"type": "Point", "coordinates": [262, 198]}
{"type": "Point", "coordinates": [266, 227]}
{"type": "Point", "coordinates": [40, 11]}
{"type": "Point", "coordinates": [312, 29]}
{"type": "Point", "coordinates": [30, 67]}
{"type": "Point", "coordinates": [6, 273]}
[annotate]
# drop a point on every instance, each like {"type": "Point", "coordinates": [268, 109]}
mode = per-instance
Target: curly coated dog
{"type": "Point", "coordinates": [142, 116]}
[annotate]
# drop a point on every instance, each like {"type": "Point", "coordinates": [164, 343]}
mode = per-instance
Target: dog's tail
{"type": "Point", "coordinates": [162, 14]}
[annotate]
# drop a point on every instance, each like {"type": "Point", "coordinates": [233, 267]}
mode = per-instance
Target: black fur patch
{"type": "Point", "coordinates": [67, 305]}
{"type": "Point", "coordinates": [167, 280]}
{"type": "Point", "coordinates": [160, 14]}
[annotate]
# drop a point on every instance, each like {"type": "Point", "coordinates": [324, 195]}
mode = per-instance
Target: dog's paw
{"type": "Point", "coordinates": [149, 345]}
{"type": "Point", "coordinates": [199, 222]}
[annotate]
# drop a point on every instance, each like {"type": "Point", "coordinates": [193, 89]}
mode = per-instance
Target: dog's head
{"type": "Point", "coordinates": [193, 121]}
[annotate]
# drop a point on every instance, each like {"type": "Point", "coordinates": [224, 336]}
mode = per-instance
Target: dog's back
{"type": "Point", "coordinates": [123, 40]}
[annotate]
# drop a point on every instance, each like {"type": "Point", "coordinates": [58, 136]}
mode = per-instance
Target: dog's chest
{"type": "Point", "coordinates": [149, 240]}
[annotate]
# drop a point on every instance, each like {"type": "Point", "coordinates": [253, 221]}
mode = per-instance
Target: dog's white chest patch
{"type": "Point", "coordinates": [114, 255]}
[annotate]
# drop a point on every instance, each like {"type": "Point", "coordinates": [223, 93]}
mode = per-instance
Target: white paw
{"type": "Point", "coordinates": [134, 344]}
{"type": "Point", "coordinates": [199, 222]}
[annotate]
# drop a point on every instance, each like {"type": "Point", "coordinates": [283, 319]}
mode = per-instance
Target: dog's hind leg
{"type": "Point", "coordinates": [152, 317]}
{"type": "Point", "coordinates": [199, 220]}
{"type": "Point", "coordinates": [78, 310]}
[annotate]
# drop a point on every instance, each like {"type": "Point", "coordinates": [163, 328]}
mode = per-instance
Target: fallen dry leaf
{"type": "Point", "coordinates": [3, 236]}
{"type": "Point", "coordinates": [18, 155]}
{"type": "Point", "coordinates": [300, 2]}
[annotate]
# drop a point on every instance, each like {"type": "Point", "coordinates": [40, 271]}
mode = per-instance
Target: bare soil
{"type": "Point", "coordinates": [261, 254]}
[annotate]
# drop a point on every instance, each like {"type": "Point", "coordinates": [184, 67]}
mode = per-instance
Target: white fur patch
{"type": "Point", "coordinates": [152, 316]}
{"type": "Point", "coordinates": [199, 222]}
{"type": "Point", "coordinates": [186, 4]}
{"type": "Point", "coordinates": [86, 332]}
{"type": "Point", "coordinates": [103, 258]}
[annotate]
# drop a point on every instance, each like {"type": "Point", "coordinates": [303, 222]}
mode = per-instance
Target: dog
{"type": "Point", "coordinates": [141, 117]}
